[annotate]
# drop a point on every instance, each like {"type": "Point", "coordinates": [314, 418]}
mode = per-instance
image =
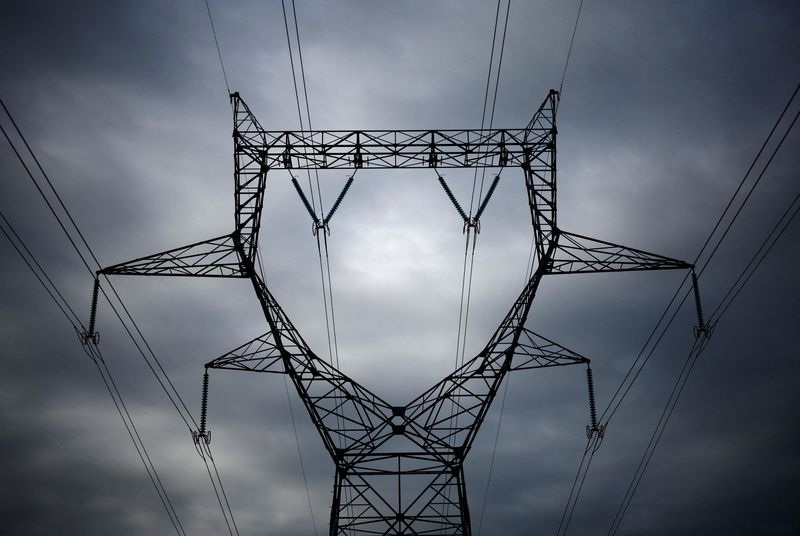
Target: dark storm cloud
{"type": "Point", "coordinates": [664, 105]}
{"type": "Point", "coordinates": [99, 42]}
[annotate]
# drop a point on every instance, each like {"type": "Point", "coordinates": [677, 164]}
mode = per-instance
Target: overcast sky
{"type": "Point", "coordinates": [664, 106]}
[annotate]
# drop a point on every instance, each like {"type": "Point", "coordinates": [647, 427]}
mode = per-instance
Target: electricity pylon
{"type": "Point", "coordinates": [399, 469]}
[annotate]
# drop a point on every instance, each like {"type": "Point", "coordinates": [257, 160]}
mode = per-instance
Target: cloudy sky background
{"type": "Point", "coordinates": [664, 107]}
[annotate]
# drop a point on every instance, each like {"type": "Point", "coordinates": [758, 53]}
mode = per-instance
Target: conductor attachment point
{"type": "Point", "coordinates": [91, 336]}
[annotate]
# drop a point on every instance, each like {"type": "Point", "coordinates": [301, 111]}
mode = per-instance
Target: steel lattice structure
{"type": "Point", "coordinates": [399, 469]}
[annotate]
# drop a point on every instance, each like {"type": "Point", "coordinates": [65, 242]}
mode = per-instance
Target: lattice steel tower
{"type": "Point", "coordinates": [399, 468]}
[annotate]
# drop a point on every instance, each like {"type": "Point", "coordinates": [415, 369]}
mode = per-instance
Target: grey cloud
{"type": "Point", "coordinates": [664, 106]}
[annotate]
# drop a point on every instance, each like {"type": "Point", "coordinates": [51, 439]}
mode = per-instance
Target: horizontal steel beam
{"type": "Point", "coordinates": [383, 149]}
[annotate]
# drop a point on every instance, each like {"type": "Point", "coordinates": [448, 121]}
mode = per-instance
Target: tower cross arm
{"type": "Point", "coordinates": [391, 149]}
{"type": "Point", "coordinates": [535, 351]}
{"type": "Point", "coordinates": [216, 257]}
{"type": "Point", "coordinates": [256, 355]}
{"type": "Point", "coordinates": [581, 254]}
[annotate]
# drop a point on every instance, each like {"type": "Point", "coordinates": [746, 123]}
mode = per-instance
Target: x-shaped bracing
{"type": "Point", "coordinates": [399, 468]}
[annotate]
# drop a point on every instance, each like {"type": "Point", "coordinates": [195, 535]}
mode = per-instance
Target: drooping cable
{"type": "Point", "coordinates": [202, 444]}
{"type": "Point", "coordinates": [494, 97]}
{"type": "Point", "coordinates": [207, 448]}
{"type": "Point", "coordinates": [486, 96]}
{"type": "Point", "coordinates": [333, 345]}
{"type": "Point", "coordinates": [616, 406]}
{"type": "Point", "coordinates": [470, 229]}
{"type": "Point", "coordinates": [330, 298]}
{"type": "Point", "coordinates": [203, 449]}
{"type": "Point", "coordinates": [574, 495]}
{"type": "Point", "coordinates": [569, 52]}
{"type": "Point", "coordinates": [750, 268]}
{"type": "Point", "coordinates": [749, 170]}
{"type": "Point", "coordinates": [305, 97]}
{"type": "Point", "coordinates": [633, 372]}
{"type": "Point", "coordinates": [755, 261]}
{"type": "Point", "coordinates": [299, 454]}
{"type": "Point", "coordinates": [491, 460]}
{"type": "Point", "coordinates": [752, 188]}
{"type": "Point", "coordinates": [41, 192]}
{"type": "Point", "coordinates": [463, 330]}
{"type": "Point", "coordinates": [202, 454]}
{"type": "Point", "coordinates": [577, 485]}
{"type": "Point", "coordinates": [49, 286]}
{"type": "Point", "coordinates": [94, 354]}
{"type": "Point", "coordinates": [133, 432]}
{"type": "Point", "coordinates": [297, 96]}
{"type": "Point", "coordinates": [461, 343]}
{"type": "Point", "coordinates": [219, 51]}
{"type": "Point", "coordinates": [322, 245]}
{"type": "Point", "coordinates": [460, 352]}
{"type": "Point", "coordinates": [313, 212]}
{"type": "Point", "coordinates": [719, 241]}
{"type": "Point", "coordinates": [758, 257]}
{"type": "Point", "coordinates": [119, 402]}
{"type": "Point", "coordinates": [294, 74]}
{"type": "Point", "coordinates": [481, 208]}
{"type": "Point", "coordinates": [169, 388]}
{"type": "Point", "coordinates": [260, 268]}
{"type": "Point", "coordinates": [705, 244]}
{"type": "Point", "coordinates": [672, 401]}
{"type": "Point", "coordinates": [322, 241]}
{"type": "Point", "coordinates": [625, 384]}
{"type": "Point", "coordinates": [172, 391]}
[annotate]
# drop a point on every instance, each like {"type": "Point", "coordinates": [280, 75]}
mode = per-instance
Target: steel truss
{"type": "Point", "coordinates": [399, 469]}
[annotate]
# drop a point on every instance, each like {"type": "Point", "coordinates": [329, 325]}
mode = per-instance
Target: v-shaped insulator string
{"type": "Point", "coordinates": [474, 221]}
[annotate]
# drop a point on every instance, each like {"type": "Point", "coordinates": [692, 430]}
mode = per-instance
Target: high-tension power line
{"type": "Point", "coordinates": [168, 387]}
{"type": "Point", "coordinates": [627, 381]}
{"type": "Point", "coordinates": [695, 353]}
{"type": "Point", "coordinates": [130, 326]}
{"type": "Point", "coordinates": [419, 446]}
{"type": "Point", "coordinates": [96, 357]}
{"type": "Point", "coordinates": [219, 51]}
{"type": "Point", "coordinates": [755, 261]}
{"type": "Point", "coordinates": [318, 229]}
{"type": "Point", "coordinates": [569, 52]}
{"type": "Point", "coordinates": [475, 230]}
{"type": "Point", "coordinates": [665, 321]}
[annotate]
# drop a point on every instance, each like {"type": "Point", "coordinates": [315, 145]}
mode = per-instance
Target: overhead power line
{"type": "Point", "coordinates": [97, 359]}
{"type": "Point", "coordinates": [474, 231]}
{"type": "Point", "coordinates": [569, 52]}
{"type": "Point", "coordinates": [717, 245]}
{"type": "Point", "coordinates": [39, 272]}
{"type": "Point", "coordinates": [661, 328]}
{"type": "Point", "coordinates": [318, 230]}
{"type": "Point", "coordinates": [219, 51]}
{"type": "Point", "coordinates": [695, 353]}
{"type": "Point", "coordinates": [168, 387]}
{"type": "Point", "coordinates": [755, 261]}
{"type": "Point", "coordinates": [152, 362]}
